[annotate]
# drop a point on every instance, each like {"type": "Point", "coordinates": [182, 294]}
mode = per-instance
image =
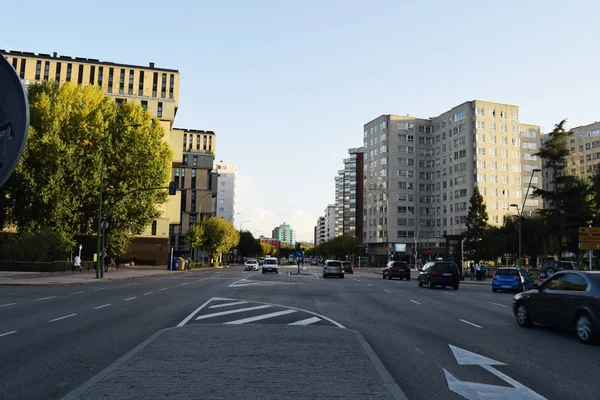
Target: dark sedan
{"type": "Point", "coordinates": [568, 299]}
{"type": "Point", "coordinates": [396, 269]}
{"type": "Point", "coordinates": [348, 267]}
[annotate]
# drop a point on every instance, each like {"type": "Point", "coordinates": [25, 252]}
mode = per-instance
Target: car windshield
{"type": "Point", "coordinates": [334, 264]}
{"type": "Point", "coordinates": [400, 265]}
{"type": "Point", "coordinates": [445, 267]}
{"type": "Point", "coordinates": [270, 262]}
{"type": "Point", "coordinates": [507, 272]}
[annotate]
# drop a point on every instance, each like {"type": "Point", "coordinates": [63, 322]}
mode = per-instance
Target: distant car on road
{"type": "Point", "coordinates": [396, 269]}
{"type": "Point", "coordinates": [439, 273]}
{"type": "Point", "coordinates": [270, 265]}
{"type": "Point", "coordinates": [260, 260]}
{"type": "Point", "coordinates": [348, 267]}
{"type": "Point", "coordinates": [568, 299]}
{"type": "Point", "coordinates": [333, 267]}
{"type": "Point", "coordinates": [552, 266]}
{"type": "Point", "coordinates": [251, 265]}
{"type": "Point", "coordinates": [314, 261]}
{"type": "Point", "coordinates": [511, 279]}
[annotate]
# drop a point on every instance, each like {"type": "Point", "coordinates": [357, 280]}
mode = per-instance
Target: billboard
{"type": "Point", "coordinates": [400, 247]}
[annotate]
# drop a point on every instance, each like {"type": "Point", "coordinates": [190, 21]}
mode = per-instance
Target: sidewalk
{"type": "Point", "coordinates": [10, 278]}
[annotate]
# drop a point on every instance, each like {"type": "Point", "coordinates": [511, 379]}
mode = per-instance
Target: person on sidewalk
{"type": "Point", "coordinates": [472, 271]}
{"type": "Point", "coordinates": [112, 262]}
{"type": "Point", "coordinates": [77, 264]}
{"type": "Point", "coordinates": [483, 271]}
{"type": "Point", "coordinates": [478, 271]}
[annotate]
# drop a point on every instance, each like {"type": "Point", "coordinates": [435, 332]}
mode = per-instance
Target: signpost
{"type": "Point", "coordinates": [589, 239]}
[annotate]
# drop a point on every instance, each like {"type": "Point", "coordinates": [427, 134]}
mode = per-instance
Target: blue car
{"type": "Point", "coordinates": [513, 279]}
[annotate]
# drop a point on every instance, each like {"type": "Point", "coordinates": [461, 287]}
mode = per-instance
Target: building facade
{"type": "Point", "coordinates": [285, 234]}
{"type": "Point", "coordinates": [226, 190]}
{"type": "Point", "coordinates": [330, 222]}
{"type": "Point", "coordinates": [420, 173]}
{"type": "Point", "coordinates": [352, 221]}
{"type": "Point", "coordinates": [320, 231]}
{"type": "Point", "coordinates": [339, 204]}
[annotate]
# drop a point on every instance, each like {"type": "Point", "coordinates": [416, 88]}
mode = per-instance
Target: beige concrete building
{"type": "Point", "coordinates": [426, 169]}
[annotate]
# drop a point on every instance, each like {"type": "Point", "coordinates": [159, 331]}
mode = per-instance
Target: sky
{"type": "Point", "coordinates": [287, 86]}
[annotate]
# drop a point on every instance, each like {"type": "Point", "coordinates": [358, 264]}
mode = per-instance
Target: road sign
{"type": "Point", "coordinates": [589, 246]}
{"type": "Point", "coordinates": [475, 390]}
{"type": "Point", "coordinates": [589, 239]}
{"type": "Point", "coordinates": [14, 119]}
{"type": "Point", "coordinates": [589, 231]}
{"type": "Point", "coordinates": [104, 225]}
{"type": "Point", "coordinates": [429, 251]}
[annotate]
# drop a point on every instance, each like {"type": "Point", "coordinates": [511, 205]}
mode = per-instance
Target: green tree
{"type": "Point", "coordinates": [194, 237]}
{"type": "Point", "coordinates": [56, 181]}
{"type": "Point", "coordinates": [267, 249]}
{"type": "Point", "coordinates": [43, 245]}
{"type": "Point", "coordinates": [476, 224]}
{"type": "Point", "coordinates": [219, 237]}
{"type": "Point", "coordinates": [248, 245]}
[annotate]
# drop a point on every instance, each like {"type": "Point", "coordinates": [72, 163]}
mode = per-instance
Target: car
{"type": "Point", "coordinates": [306, 260]}
{"type": "Point", "coordinates": [333, 267]}
{"type": "Point", "coordinates": [314, 261]}
{"type": "Point", "coordinates": [513, 278]}
{"type": "Point", "coordinates": [270, 265]}
{"type": "Point", "coordinates": [260, 260]}
{"type": "Point", "coordinates": [568, 299]}
{"type": "Point", "coordinates": [439, 273]}
{"type": "Point", "coordinates": [251, 265]}
{"type": "Point", "coordinates": [551, 266]}
{"type": "Point", "coordinates": [348, 267]}
{"type": "Point", "coordinates": [396, 269]}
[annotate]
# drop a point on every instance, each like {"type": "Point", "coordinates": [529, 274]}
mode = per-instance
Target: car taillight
{"type": "Point", "coordinates": [455, 274]}
{"type": "Point", "coordinates": [494, 278]}
{"type": "Point", "coordinates": [518, 277]}
{"type": "Point", "coordinates": [436, 274]}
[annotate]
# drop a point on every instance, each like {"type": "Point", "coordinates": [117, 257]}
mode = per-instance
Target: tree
{"type": "Point", "coordinates": [44, 245]}
{"type": "Point", "coordinates": [248, 245]}
{"type": "Point", "coordinates": [267, 249]}
{"type": "Point", "coordinates": [56, 181]}
{"type": "Point", "coordinates": [219, 237]}
{"type": "Point", "coordinates": [476, 224]}
{"type": "Point", "coordinates": [194, 237]}
{"type": "Point", "coordinates": [338, 247]}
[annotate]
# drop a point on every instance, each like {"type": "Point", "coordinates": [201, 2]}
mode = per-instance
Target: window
{"type": "Point", "coordinates": [493, 152]}
{"type": "Point", "coordinates": [493, 139]}
{"type": "Point", "coordinates": [405, 126]}
{"type": "Point", "coordinates": [504, 140]}
{"type": "Point", "coordinates": [479, 111]}
{"type": "Point", "coordinates": [92, 74]}
{"type": "Point", "coordinates": [122, 82]}
{"type": "Point", "coordinates": [111, 72]}
{"type": "Point", "coordinates": [494, 165]}
{"type": "Point", "coordinates": [492, 113]}
{"type": "Point", "coordinates": [145, 107]}
{"type": "Point", "coordinates": [171, 86]}
{"type": "Point", "coordinates": [516, 155]}
{"type": "Point", "coordinates": [480, 177]}
{"type": "Point", "coordinates": [69, 72]}
{"type": "Point", "coordinates": [406, 161]}
{"type": "Point", "coordinates": [480, 163]}
{"type": "Point", "coordinates": [494, 178]}
{"type": "Point", "coordinates": [515, 116]}
{"type": "Point", "coordinates": [502, 114]}
{"type": "Point", "coordinates": [492, 126]}
{"type": "Point", "coordinates": [517, 180]}
{"type": "Point", "coordinates": [15, 62]}
{"type": "Point", "coordinates": [57, 74]}
{"type": "Point", "coordinates": [100, 75]}
{"type": "Point", "coordinates": [504, 166]}
{"type": "Point", "coordinates": [505, 180]}
{"type": "Point", "coordinates": [153, 228]}
{"type": "Point", "coordinates": [130, 86]}
{"type": "Point", "coordinates": [459, 116]}
{"type": "Point", "coordinates": [515, 128]}
{"type": "Point", "coordinates": [556, 282]}
{"type": "Point", "coordinates": [504, 153]}
{"type": "Point", "coordinates": [574, 282]}
{"type": "Point", "coordinates": [154, 84]}
{"type": "Point", "coordinates": [163, 89]}
{"type": "Point", "coordinates": [481, 151]}
{"type": "Point", "coordinates": [22, 72]}
{"type": "Point", "coordinates": [80, 75]}
{"type": "Point", "coordinates": [46, 70]}
{"type": "Point", "coordinates": [480, 137]}
{"type": "Point", "coordinates": [503, 127]}
{"type": "Point", "coordinates": [141, 84]}
{"type": "Point", "coordinates": [38, 70]}
{"type": "Point", "coordinates": [159, 111]}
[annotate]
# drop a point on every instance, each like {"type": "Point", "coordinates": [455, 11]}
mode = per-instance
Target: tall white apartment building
{"type": "Point", "coordinates": [330, 224]}
{"type": "Point", "coordinates": [225, 203]}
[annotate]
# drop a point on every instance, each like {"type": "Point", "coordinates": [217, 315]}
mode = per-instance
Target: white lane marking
{"type": "Point", "coordinates": [45, 298]}
{"type": "Point", "coordinates": [228, 304]}
{"type": "Point", "coordinates": [239, 310]}
{"type": "Point", "coordinates": [131, 298]}
{"type": "Point", "coordinates": [449, 294]}
{"type": "Point", "coordinates": [357, 280]}
{"type": "Point", "coordinates": [386, 291]}
{"type": "Point", "coordinates": [83, 291]}
{"type": "Point", "coordinates": [6, 305]}
{"type": "Point", "coordinates": [307, 321]}
{"type": "Point", "coordinates": [315, 275]}
{"type": "Point", "coordinates": [260, 317]}
{"type": "Point", "coordinates": [197, 310]}
{"type": "Point", "coordinates": [149, 293]}
{"type": "Point", "coordinates": [100, 288]}
{"type": "Point", "coordinates": [184, 283]}
{"type": "Point", "coordinates": [470, 323]}
{"type": "Point", "coordinates": [165, 288]}
{"type": "Point", "coordinates": [102, 306]}
{"type": "Point", "coordinates": [134, 283]}
{"type": "Point", "coordinates": [497, 304]}
{"type": "Point", "coordinates": [59, 318]}
{"type": "Point", "coordinates": [369, 284]}
{"type": "Point", "coordinates": [7, 333]}
{"type": "Point", "coordinates": [416, 302]}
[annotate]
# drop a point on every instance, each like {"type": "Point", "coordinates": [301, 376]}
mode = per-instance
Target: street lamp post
{"type": "Point", "coordinates": [242, 224]}
{"type": "Point", "coordinates": [416, 240]}
{"type": "Point", "coordinates": [521, 209]}
{"type": "Point", "coordinates": [231, 217]}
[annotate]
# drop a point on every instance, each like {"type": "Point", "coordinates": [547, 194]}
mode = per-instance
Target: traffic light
{"type": "Point", "coordinates": [172, 188]}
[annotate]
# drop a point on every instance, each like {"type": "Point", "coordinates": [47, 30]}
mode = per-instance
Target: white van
{"type": "Point", "coordinates": [270, 265]}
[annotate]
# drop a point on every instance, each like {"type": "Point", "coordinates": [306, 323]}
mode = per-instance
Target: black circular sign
{"type": "Point", "coordinates": [14, 119]}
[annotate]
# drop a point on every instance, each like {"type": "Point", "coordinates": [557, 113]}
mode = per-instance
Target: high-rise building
{"type": "Point", "coordinates": [339, 203]}
{"type": "Point", "coordinates": [320, 231]}
{"type": "Point", "coordinates": [352, 206]}
{"type": "Point", "coordinates": [284, 233]}
{"type": "Point", "coordinates": [420, 172]}
{"type": "Point", "coordinates": [330, 222]}
{"type": "Point", "coordinates": [226, 190]}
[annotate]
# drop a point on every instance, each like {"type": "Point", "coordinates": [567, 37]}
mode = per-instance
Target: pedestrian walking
{"type": "Point", "coordinates": [478, 271]}
{"type": "Point", "coordinates": [112, 262]}
{"type": "Point", "coordinates": [77, 264]}
{"type": "Point", "coordinates": [483, 271]}
{"type": "Point", "coordinates": [472, 271]}
{"type": "Point", "coordinates": [134, 260]}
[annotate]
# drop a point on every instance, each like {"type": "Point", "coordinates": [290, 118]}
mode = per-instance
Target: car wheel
{"type": "Point", "coordinates": [494, 290]}
{"type": "Point", "coordinates": [389, 277]}
{"type": "Point", "coordinates": [429, 285]}
{"type": "Point", "coordinates": [419, 282]}
{"type": "Point", "coordinates": [584, 328]}
{"type": "Point", "coordinates": [443, 286]}
{"type": "Point", "coordinates": [523, 318]}
{"type": "Point", "coordinates": [549, 272]}
{"type": "Point", "coordinates": [408, 279]}
{"type": "Point", "coordinates": [455, 287]}
{"type": "Point", "coordinates": [383, 276]}
{"type": "Point", "coordinates": [342, 276]}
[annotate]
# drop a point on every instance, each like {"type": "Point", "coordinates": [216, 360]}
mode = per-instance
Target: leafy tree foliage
{"type": "Point", "coordinates": [43, 245]}
{"type": "Point", "coordinates": [248, 245]}
{"type": "Point", "coordinates": [267, 249]}
{"type": "Point", "coordinates": [194, 236]}
{"type": "Point", "coordinates": [477, 219]}
{"type": "Point", "coordinates": [338, 247]}
{"type": "Point", "coordinates": [219, 237]}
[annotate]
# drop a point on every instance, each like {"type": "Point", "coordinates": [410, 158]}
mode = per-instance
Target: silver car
{"type": "Point", "coordinates": [251, 265]}
{"type": "Point", "coordinates": [333, 267]}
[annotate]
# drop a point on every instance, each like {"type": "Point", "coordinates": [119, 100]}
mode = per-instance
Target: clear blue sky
{"type": "Point", "coordinates": [287, 87]}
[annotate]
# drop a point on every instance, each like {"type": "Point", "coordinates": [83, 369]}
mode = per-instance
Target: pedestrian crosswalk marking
{"type": "Point", "coordinates": [239, 310]}
{"type": "Point", "coordinates": [307, 321]}
{"type": "Point", "coordinates": [246, 282]}
{"type": "Point", "coordinates": [235, 303]}
{"type": "Point", "coordinates": [260, 317]}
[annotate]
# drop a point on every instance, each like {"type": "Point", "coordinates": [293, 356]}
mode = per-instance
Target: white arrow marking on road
{"type": "Point", "coordinates": [476, 391]}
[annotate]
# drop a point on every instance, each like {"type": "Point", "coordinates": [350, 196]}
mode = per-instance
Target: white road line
{"type": "Point", "coordinates": [101, 288]}
{"type": "Point", "coordinates": [7, 333]}
{"type": "Point", "coordinates": [228, 304]}
{"type": "Point", "coordinates": [315, 275]}
{"type": "Point", "coordinates": [6, 305]}
{"type": "Point", "coordinates": [307, 321]}
{"type": "Point", "coordinates": [196, 311]}
{"type": "Point", "coordinates": [386, 291]}
{"type": "Point", "coordinates": [83, 291]}
{"type": "Point", "coordinates": [134, 283]}
{"type": "Point", "coordinates": [45, 298]}
{"type": "Point", "coordinates": [149, 293]}
{"type": "Point", "coordinates": [497, 304]}
{"type": "Point", "coordinates": [184, 283]}
{"type": "Point", "coordinates": [357, 280]}
{"type": "Point", "coordinates": [449, 294]}
{"type": "Point", "coordinates": [260, 317]}
{"type": "Point", "coordinates": [59, 318]}
{"type": "Point", "coordinates": [102, 306]}
{"type": "Point", "coordinates": [369, 284]}
{"type": "Point", "coordinates": [131, 298]}
{"type": "Point", "coordinates": [239, 310]}
{"type": "Point", "coordinates": [470, 323]}
{"type": "Point", "coordinates": [416, 302]}
{"type": "Point", "coordinates": [165, 288]}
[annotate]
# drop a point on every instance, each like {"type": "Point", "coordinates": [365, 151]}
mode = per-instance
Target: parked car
{"type": "Point", "coordinates": [551, 266]}
{"type": "Point", "coordinates": [314, 261]}
{"type": "Point", "coordinates": [511, 279]}
{"type": "Point", "coordinates": [260, 260]}
{"type": "Point", "coordinates": [270, 265]}
{"type": "Point", "coordinates": [251, 265]}
{"type": "Point", "coordinates": [396, 269]}
{"type": "Point", "coordinates": [333, 267]}
{"type": "Point", "coordinates": [568, 299]}
{"type": "Point", "coordinates": [348, 267]}
{"type": "Point", "coordinates": [439, 273]}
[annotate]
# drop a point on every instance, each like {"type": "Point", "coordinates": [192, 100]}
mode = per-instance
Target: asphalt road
{"type": "Point", "coordinates": [54, 338]}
